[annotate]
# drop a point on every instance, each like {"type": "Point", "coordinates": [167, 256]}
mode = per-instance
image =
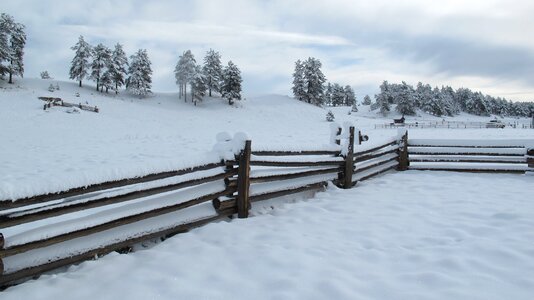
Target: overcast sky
{"type": "Point", "coordinates": [485, 45]}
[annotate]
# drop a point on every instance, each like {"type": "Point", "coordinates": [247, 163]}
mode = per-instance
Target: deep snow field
{"type": "Point", "coordinates": [410, 235]}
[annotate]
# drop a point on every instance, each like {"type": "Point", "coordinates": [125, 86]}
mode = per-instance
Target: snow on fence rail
{"type": "Point", "coordinates": [507, 156]}
{"type": "Point", "coordinates": [45, 232]}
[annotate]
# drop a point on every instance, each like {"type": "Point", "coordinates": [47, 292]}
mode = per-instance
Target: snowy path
{"type": "Point", "coordinates": [410, 235]}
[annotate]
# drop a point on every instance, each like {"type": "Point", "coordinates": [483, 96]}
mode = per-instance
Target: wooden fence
{"type": "Point", "coordinates": [504, 156]}
{"type": "Point", "coordinates": [45, 232]}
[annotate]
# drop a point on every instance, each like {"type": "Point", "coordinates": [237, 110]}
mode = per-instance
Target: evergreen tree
{"type": "Point", "coordinates": [117, 67]}
{"type": "Point", "coordinates": [80, 63]}
{"type": "Point", "coordinates": [140, 81]}
{"type": "Point", "coordinates": [383, 99]}
{"type": "Point", "coordinates": [354, 107]}
{"type": "Point", "coordinates": [199, 85]}
{"type": "Point", "coordinates": [212, 71]}
{"type": "Point", "coordinates": [185, 72]}
{"type": "Point", "coordinates": [330, 116]}
{"type": "Point", "coordinates": [314, 80]}
{"type": "Point", "coordinates": [231, 87]}
{"type": "Point", "coordinates": [299, 89]}
{"type": "Point", "coordinates": [366, 100]}
{"type": "Point", "coordinates": [350, 97]}
{"type": "Point", "coordinates": [12, 42]}
{"type": "Point", "coordinates": [404, 98]}
{"type": "Point", "coordinates": [101, 59]}
{"type": "Point", "coordinates": [338, 95]}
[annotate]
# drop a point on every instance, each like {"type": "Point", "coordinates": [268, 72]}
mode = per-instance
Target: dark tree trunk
{"type": "Point", "coordinates": [80, 83]}
{"type": "Point", "coordinates": [10, 77]}
{"type": "Point", "coordinates": [97, 81]}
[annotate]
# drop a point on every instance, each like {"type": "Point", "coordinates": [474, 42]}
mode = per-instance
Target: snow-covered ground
{"type": "Point", "coordinates": [48, 151]}
{"type": "Point", "coordinates": [426, 235]}
{"type": "Point", "coordinates": [389, 238]}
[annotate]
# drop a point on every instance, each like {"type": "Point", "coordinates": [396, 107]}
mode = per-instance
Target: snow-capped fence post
{"type": "Point", "coordinates": [349, 161]}
{"type": "Point", "coordinates": [243, 181]}
{"type": "Point", "coordinates": [404, 161]}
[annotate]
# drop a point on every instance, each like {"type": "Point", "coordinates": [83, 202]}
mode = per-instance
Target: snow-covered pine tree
{"type": "Point", "coordinates": [184, 72]}
{"type": "Point", "coordinates": [198, 85]}
{"type": "Point", "coordinates": [314, 80]}
{"type": "Point", "coordinates": [404, 98]}
{"type": "Point", "coordinates": [354, 107]}
{"type": "Point", "coordinates": [212, 71]}
{"type": "Point", "coordinates": [106, 81]}
{"type": "Point", "coordinates": [5, 53]}
{"type": "Point", "coordinates": [101, 59]}
{"type": "Point", "coordinates": [45, 75]}
{"type": "Point", "coordinates": [117, 67]}
{"type": "Point", "coordinates": [366, 100]}
{"type": "Point", "coordinates": [231, 87]}
{"type": "Point", "coordinates": [140, 81]}
{"type": "Point", "coordinates": [330, 116]}
{"type": "Point", "coordinates": [338, 95]}
{"type": "Point", "coordinates": [328, 95]}
{"type": "Point", "coordinates": [12, 42]}
{"type": "Point", "coordinates": [80, 63]}
{"type": "Point", "coordinates": [299, 89]}
{"type": "Point", "coordinates": [383, 99]}
{"type": "Point", "coordinates": [350, 97]}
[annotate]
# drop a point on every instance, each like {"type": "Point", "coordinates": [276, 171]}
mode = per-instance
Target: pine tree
{"type": "Point", "coordinates": [299, 90]}
{"type": "Point", "coordinates": [199, 85]}
{"type": "Point", "coordinates": [185, 72]}
{"type": "Point", "coordinates": [101, 59]}
{"type": "Point", "coordinates": [5, 52]}
{"type": "Point", "coordinates": [80, 63]}
{"type": "Point", "coordinates": [12, 42]}
{"type": "Point", "coordinates": [231, 87]}
{"type": "Point", "coordinates": [314, 80]}
{"type": "Point", "coordinates": [117, 67]}
{"type": "Point", "coordinates": [338, 95]}
{"type": "Point", "coordinates": [328, 95]}
{"type": "Point", "coordinates": [330, 116]}
{"type": "Point", "coordinates": [404, 98]}
{"type": "Point", "coordinates": [383, 99]}
{"type": "Point", "coordinates": [212, 71]}
{"type": "Point", "coordinates": [366, 100]}
{"type": "Point", "coordinates": [140, 81]}
{"type": "Point", "coordinates": [350, 97]}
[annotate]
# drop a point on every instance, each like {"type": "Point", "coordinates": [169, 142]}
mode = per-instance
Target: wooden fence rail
{"type": "Point", "coordinates": [109, 216]}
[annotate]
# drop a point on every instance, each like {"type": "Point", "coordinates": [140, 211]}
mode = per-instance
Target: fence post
{"type": "Point", "coordinates": [404, 161]}
{"type": "Point", "coordinates": [1, 247]}
{"type": "Point", "coordinates": [243, 181]}
{"type": "Point", "coordinates": [349, 161]}
{"type": "Point", "coordinates": [530, 158]}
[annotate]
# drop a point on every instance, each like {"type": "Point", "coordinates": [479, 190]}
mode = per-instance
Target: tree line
{"type": "Point", "coordinates": [309, 86]}
{"type": "Point", "coordinates": [12, 42]}
{"type": "Point", "coordinates": [445, 101]}
{"type": "Point", "coordinates": [210, 77]}
{"type": "Point", "coordinates": [111, 69]}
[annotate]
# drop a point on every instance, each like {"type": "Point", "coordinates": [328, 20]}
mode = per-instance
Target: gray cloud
{"type": "Point", "coordinates": [479, 44]}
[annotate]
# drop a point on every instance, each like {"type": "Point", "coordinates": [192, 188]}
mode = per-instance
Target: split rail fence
{"type": "Point", "coordinates": [46, 232]}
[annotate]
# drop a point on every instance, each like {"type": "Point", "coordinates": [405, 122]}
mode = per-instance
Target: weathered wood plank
{"type": "Point", "coordinates": [360, 153]}
{"type": "Point", "coordinates": [288, 192]}
{"type": "Point", "coordinates": [293, 175]}
{"type": "Point", "coordinates": [349, 161]}
{"type": "Point", "coordinates": [6, 279]}
{"type": "Point", "coordinates": [295, 153]}
{"type": "Point", "coordinates": [60, 209]}
{"type": "Point", "coordinates": [372, 156]}
{"type": "Point", "coordinates": [243, 182]}
{"type": "Point", "coordinates": [9, 204]}
{"type": "Point", "coordinates": [107, 225]}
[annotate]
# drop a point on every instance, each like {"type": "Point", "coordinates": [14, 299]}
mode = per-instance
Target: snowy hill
{"type": "Point", "coordinates": [51, 150]}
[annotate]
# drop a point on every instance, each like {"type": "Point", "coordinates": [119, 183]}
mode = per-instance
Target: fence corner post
{"type": "Point", "coordinates": [530, 158]}
{"type": "Point", "coordinates": [243, 181]}
{"type": "Point", "coordinates": [349, 161]}
{"type": "Point", "coordinates": [404, 160]}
